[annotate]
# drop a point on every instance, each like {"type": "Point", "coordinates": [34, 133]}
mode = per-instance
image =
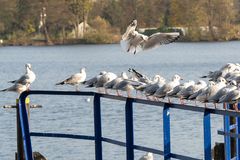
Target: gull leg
{"type": "Point", "coordinates": [205, 105]}
{"type": "Point", "coordinates": [118, 94]}
{"type": "Point", "coordinates": [215, 105]}
{"type": "Point", "coordinates": [169, 100]}
{"type": "Point", "coordinates": [157, 99]}
{"type": "Point", "coordinates": [181, 101]}
{"type": "Point", "coordinates": [224, 106]}
{"type": "Point", "coordinates": [148, 98]}
{"type": "Point", "coordinates": [106, 91]}
{"type": "Point", "coordinates": [77, 88]}
{"type": "Point", "coordinates": [129, 94]}
{"type": "Point", "coordinates": [235, 106]}
{"type": "Point", "coordinates": [137, 94]}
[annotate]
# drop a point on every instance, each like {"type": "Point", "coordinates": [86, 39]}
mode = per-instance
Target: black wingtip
{"type": "Point", "coordinates": [60, 83]}
{"type": "Point", "coordinates": [203, 77]}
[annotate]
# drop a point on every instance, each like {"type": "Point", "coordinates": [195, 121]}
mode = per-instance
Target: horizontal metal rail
{"type": "Point", "coordinates": [129, 144]}
{"type": "Point", "coordinates": [61, 135]}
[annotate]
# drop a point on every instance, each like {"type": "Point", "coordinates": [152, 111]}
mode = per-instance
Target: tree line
{"type": "Point", "coordinates": [103, 21]}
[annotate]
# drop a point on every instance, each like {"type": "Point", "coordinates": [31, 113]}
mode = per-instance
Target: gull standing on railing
{"type": "Point", "coordinates": [23, 83]}
{"type": "Point", "coordinates": [168, 87]}
{"type": "Point", "coordinates": [230, 87]}
{"type": "Point", "coordinates": [104, 79]}
{"type": "Point", "coordinates": [27, 79]}
{"type": "Point", "coordinates": [134, 42]}
{"type": "Point", "coordinates": [75, 79]}
{"type": "Point", "coordinates": [114, 82]}
{"type": "Point", "coordinates": [93, 81]}
{"type": "Point", "coordinates": [232, 97]}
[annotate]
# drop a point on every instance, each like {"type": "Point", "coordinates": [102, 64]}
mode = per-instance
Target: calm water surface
{"type": "Point", "coordinates": [75, 115]}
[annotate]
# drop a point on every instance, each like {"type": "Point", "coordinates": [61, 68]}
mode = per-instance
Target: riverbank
{"type": "Point", "coordinates": [82, 41]}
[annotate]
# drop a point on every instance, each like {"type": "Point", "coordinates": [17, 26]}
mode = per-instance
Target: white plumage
{"type": "Point", "coordinates": [75, 79]}
{"type": "Point", "coordinates": [28, 78]}
{"type": "Point", "coordinates": [147, 156]}
{"type": "Point", "coordinates": [134, 42]}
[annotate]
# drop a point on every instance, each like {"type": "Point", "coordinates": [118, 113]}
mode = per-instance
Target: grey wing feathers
{"type": "Point", "coordinates": [21, 80]}
{"type": "Point", "coordinates": [159, 39]}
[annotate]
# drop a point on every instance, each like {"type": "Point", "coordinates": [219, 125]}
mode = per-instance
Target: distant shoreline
{"type": "Point", "coordinates": [85, 43]}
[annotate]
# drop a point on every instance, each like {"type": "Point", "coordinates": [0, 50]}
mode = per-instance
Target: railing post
{"type": "Point", "coordinates": [25, 127]}
{"type": "Point", "coordinates": [237, 139]}
{"type": "Point", "coordinates": [129, 129]}
{"type": "Point", "coordinates": [166, 132]}
{"type": "Point", "coordinates": [20, 152]}
{"type": "Point", "coordinates": [227, 139]}
{"type": "Point", "coordinates": [207, 135]}
{"type": "Point", "coordinates": [97, 127]}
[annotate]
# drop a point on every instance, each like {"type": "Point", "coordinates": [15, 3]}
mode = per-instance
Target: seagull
{"type": "Point", "coordinates": [104, 79]}
{"type": "Point", "coordinates": [93, 81]}
{"type": "Point", "coordinates": [147, 156]}
{"type": "Point", "coordinates": [156, 79]}
{"type": "Point", "coordinates": [26, 79]}
{"type": "Point", "coordinates": [200, 89]}
{"type": "Point", "coordinates": [125, 85]}
{"type": "Point", "coordinates": [17, 87]}
{"type": "Point", "coordinates": [134, 42]}
{"type": "Point", "coordinates": [232, 86]}
{"type": "Point", "coordinates": [75, 79]}
{"type": "Point", "coordinates": [178, 90]}
{"type": "Point", "coordinates": [222, 72]}
{"type": "Point", "coordinates": [231, 97]}
{"type": "Point", "coordinates": [211, 91]}
{"type": "Point", "coordinates": [140, 77]}
{"type": "Point", "coordinates": [168, 87]}
{"type": "Point", "coordinates": [150, 89]}
{"type": "Point", "coordinates": [114, 82]}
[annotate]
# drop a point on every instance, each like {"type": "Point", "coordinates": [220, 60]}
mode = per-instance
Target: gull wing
{"type": "Point", "coordinates": [159, 39]}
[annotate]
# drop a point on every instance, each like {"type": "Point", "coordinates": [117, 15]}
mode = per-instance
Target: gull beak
{"type": "Point", "coordinates": [134, 23]}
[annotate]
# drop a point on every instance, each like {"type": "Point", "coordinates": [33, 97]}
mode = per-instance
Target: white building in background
{"type": "Point", "coordinates": [78, 33]}
{"type": "Point", "coordinates": [1, 41]}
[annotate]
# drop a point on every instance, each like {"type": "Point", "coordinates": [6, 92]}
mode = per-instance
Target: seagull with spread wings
{"type": "Point", "coordinates": [134, 42]}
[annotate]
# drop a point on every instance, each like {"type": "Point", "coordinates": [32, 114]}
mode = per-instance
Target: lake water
{"type": "Point", "coordinates": [65, 114]}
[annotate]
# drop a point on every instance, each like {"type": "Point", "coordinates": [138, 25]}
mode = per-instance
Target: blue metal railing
{"type": "Point", "coordinates": [129, 144]}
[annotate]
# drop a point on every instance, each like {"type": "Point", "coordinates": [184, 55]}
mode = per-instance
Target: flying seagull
{"type": "Point", "coordinates": [134, 42]}
{"type": "Point", "coordinates": [75, 79]}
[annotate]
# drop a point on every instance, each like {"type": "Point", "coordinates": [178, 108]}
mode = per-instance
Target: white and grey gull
{"type": "Point", "coordinates": [134, 42]}
{"type": "Point", "coordinates": [75, 79]}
